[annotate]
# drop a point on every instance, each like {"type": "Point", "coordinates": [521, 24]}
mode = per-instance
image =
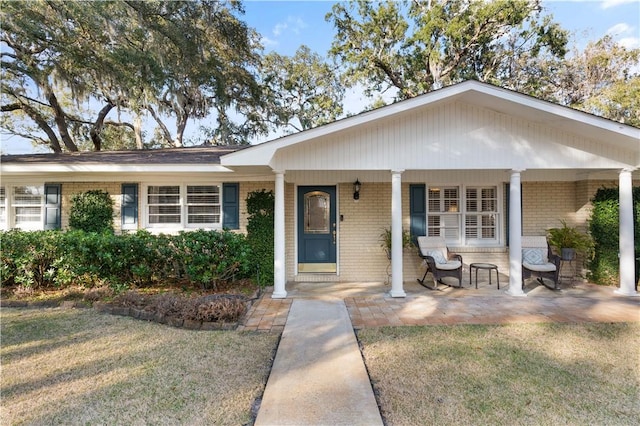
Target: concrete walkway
{"type": "Point", "coordinates": [318, 376]}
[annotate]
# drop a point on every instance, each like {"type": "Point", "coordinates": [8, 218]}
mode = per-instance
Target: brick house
{"type": "Point", "coordinates": [477, 164]}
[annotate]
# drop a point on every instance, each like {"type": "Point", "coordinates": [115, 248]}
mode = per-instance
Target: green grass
{"type": "Point", "coordinates": [537, 374]}
{"type": "Point", "coordinates": [69, 366]}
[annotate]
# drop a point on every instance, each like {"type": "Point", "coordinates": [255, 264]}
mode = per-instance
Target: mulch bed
{"type": "Point", "coordinates": [195, 311]}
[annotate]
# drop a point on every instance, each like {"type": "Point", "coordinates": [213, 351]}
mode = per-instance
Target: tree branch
{"type": "Point", "coordinates": [96, 128]}
{"type": "Point", "coordinates": [10, 107]}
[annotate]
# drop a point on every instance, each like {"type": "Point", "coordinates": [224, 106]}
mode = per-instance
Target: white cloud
{"type": "Point", "coordinates": [630, 42]}
{"type": "Point", "coordinates": [619, 31]}
{"type": "Point", "coordinates": [606, 4]}
{"type": "Point", "coordinates": [294, 24]}
{"type": "Point", "coordinates": [279, 28]}
{"type": "Point", "coordinates": [267, 42]}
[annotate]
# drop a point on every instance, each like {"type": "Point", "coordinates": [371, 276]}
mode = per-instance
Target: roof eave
{"type": "Point", "coordinates": [26, 168]}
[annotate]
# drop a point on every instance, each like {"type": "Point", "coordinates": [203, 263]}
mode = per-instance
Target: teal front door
{"type": "Point", "coordinates": [317, 229]}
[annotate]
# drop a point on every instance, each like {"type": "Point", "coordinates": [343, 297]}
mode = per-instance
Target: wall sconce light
{"type": "Point", "coordinates": [356, 189]}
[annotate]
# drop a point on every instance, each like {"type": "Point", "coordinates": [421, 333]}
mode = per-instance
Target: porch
{"type": "Point", "coordinates": [370, 305]}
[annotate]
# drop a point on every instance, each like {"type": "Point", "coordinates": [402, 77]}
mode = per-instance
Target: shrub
{"type": "Point", "coordinates": [604, 227]}
{"type": "Point", "coordinates": [55, 258]}
{"type": "Point", "coordinates": [33, 259]}
{"type": "Point", "coordinates": [260, 207]}
{"type": "Point", "coordinates": [211, 257]}
{"type": "Point", "coordinates": [91, 211]}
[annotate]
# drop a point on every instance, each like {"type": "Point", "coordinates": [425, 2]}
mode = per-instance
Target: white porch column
{"type": "Point", "coordinates": [627, 257]}
{"type": "Point", "coordinates": [515, 235]}
{"type": "Point", "coordinates": [279, 272]}
{"type": "Point", "coordinates": [397, 288]}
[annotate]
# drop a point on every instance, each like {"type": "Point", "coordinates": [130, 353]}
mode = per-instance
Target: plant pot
{"type": "Point", "coordinates": [568, 253]}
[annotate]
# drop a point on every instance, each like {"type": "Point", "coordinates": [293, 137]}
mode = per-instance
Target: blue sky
{"type": "Point", "coordinates": [285, 25]}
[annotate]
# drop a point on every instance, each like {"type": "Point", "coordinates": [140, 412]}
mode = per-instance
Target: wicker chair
{"type": "Point", "coordinates": [439, 261]}
{"type": "Point", "coordinates": [537, 259]}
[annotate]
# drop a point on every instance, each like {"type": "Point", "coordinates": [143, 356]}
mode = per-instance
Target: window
{"type": "Point", "coordinates": [481, 213]}
{"type": "Point", "coordinates": [443, 212]}
{"type": "Point", "coordinates": [3, 208]}
{"type": "Point", "coordinates": [465, 215]}
{"type": "Point", "coordinates": [203, 204]}
{"type": "Point", "coordinates": [27, 206]}
{"type": "Point", "coordinates": [164, 204]}
{"type": "Point", "coordinates": [182, 206]}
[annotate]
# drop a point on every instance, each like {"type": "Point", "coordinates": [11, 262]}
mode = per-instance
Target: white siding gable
{"type": "Point", "coordinates": [449, 136]}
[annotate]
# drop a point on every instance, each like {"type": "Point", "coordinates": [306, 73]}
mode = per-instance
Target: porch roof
{"type": "Point", "coordinates": [530, 111]}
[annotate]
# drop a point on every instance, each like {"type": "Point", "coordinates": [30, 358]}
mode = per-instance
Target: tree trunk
{"type": "Point", "coordinates": [59, 118]}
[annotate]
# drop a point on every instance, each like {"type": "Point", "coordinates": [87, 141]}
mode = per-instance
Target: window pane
{"type": "Point", "coordinates": [434, 199]}
{"type": "Point", "coordinates": [159, 219]}
{"type": "Point", "coordinates": [203, 195]}
{"type": "Point", "coordinates": [27, 204]}
{"type": "Point", "coordinates": [3, 206]}
{"type": "Point", "coordinates": [481, 226]}
{"type": "Point", "coordinates": [28, 214]}
{"type": "Point", "coordinates": [164, 190]}
{"type": "Point", "coordinates": [164, 204]}
{"type": "Point", "coordinates": [204, 214]}
{"type": "Point", "coordinates": [316, 213]}
{"type": "Point", "coordinates": [489, 205]}
{"type": "Point", "coordinates": [203, 204]}
{"type": "Point", "coordinates": [27, 195]}
{"type": "Point", "coordinates": [175, 210]}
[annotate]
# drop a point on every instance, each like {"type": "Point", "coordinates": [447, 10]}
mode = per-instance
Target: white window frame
{"type": "Point", "coordinates": [4, 208]}
{"type": "Point", "coordinates": [10, 208]}
{"type": "Point", "coordinates": [184, 207]}
{"type": "Point", "coordinates": [479, 213]}
{"type": "Point", "coordinates": [448, 213]}
{"type": "Point", "coordinates": [462, 213]}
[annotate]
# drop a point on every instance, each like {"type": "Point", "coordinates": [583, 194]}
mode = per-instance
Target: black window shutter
{"type": "Point", "coordinates": [231, 205]}
{"type": "Point", "coordinates": [129, 206]}
{"type": "Point", "coordinates": [52, 206]}
{"type": "Point", "coordinates": [418, 210]}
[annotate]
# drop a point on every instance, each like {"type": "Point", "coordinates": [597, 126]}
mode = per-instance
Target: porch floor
{"type": "Point", "coordinates": [370, 305]}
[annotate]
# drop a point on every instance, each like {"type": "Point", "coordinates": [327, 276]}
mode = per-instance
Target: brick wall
{"type": "Point", "coordinates": [71, 188]}
{"type": "Point", "coordinates": [360, 255]}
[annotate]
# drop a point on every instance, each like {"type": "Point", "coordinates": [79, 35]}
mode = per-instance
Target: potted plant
{"type": "Point", "coordinates": [385, 240]}
{"type": "Point", "coordinates": [567, 241]}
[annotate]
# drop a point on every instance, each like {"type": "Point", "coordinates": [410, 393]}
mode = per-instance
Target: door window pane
{"type": "Point", "coordinates": [316, 213]}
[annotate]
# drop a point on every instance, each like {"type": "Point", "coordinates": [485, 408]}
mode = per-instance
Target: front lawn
{"type": "Point", "coordinates": [525, 374]}
{"type": "Point", "coordinates": [77, 366]}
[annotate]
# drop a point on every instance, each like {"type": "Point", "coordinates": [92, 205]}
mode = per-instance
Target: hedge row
{"type": "Point", "coordinates": [45, 259]}
{"type": "Point", "coordinates": [605, 229]}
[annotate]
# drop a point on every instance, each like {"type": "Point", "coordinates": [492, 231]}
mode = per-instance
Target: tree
{"type": "Point", "coordinates": [415, 47]}
{"type": "Point", "coordinates": [603, 79]}
{"type": "Point", "coordinates": [303, 90]}
{"type": "Point", "coordinates": [66, 66]}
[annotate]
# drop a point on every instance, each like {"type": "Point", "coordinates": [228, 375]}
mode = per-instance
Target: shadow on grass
{"type": "Point", "coordinates": [506, 374]}
{"type": "Point", "coordinates": [82, 367]}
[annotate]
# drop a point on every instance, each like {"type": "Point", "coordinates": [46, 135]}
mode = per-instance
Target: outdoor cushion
{"type": "Point", "coordinates": [533, 256]}
{"type": "Point", "coordinates": [451, 265]}
{"type": "Point", "coordinates": [545, 267]}
{"type": "Point", "coordinates": [437, 256]}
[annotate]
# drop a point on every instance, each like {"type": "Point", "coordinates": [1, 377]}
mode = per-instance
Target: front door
{"type": "Point", "coordinates": [317, 230]}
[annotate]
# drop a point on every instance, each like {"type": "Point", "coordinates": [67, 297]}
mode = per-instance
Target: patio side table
{"type": "Point", "coordinates": [486, 266]}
